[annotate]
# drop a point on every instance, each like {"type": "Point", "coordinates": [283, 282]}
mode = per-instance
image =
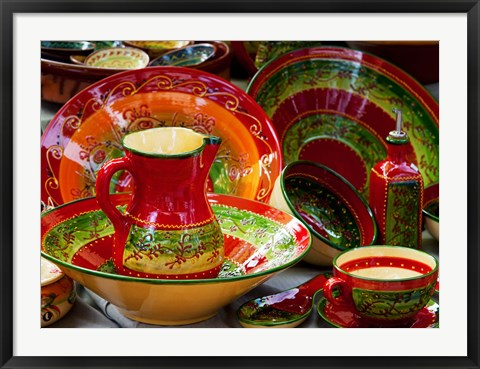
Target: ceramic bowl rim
{"type": "Point", "coordinates": [341, 49]}
{"type": "Point", "coordinates": [133, 50]}
{"type": "Point", "coordinates": [206, 140]}
{"type": "Point", "coordinates": [123, 278]}
{"type": "Point", "coordinates": [349, 185]}
{"type": "Point", "coordinates": [419, 277]}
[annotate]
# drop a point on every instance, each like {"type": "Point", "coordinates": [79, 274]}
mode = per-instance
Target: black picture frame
{"type": "Point", "coordinates": [10, 7]}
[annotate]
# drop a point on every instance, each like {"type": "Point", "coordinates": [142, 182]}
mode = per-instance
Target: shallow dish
{"type": "Point", "coordinates": [334, 106]}
{"type": "Point", "coordinates": [345, 317]}
{"type": "Point", "coordinates": [186, 56]}
{"type": "Point", "coordinates": [157, 48]}
{"type": "Point", "coordinates": [431, 210]}
{"type": "Point", "coordinates": [87, 131]}
{"type": "Point", "coordinates": [118, 58]}
{"type": "Point", "coordinates": [259, 243]}
{"type": "Point", "coordinates": [330, 207]}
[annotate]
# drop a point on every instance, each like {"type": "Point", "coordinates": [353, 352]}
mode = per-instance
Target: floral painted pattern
{"type": "Point", "coordinates": [391, 305]}
{"type": "Point", "coordinates": [402, 214]}
{"type": "Point", "coordinates": [188, 250]}
{"type": "Point", "coordinates": [263, 243]}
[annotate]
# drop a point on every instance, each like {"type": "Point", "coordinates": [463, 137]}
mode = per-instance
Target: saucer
{"type": "Point", "coordinates": [345, 317]}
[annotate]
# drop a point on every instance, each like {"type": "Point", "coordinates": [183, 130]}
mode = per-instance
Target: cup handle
{"type": "Point", "coordinates": [343, 296]}
{"type": "Point", "coordinates": [102, 186]}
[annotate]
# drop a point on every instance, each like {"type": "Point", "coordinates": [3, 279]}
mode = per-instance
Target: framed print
{"type": "Point", "coordinates": [285, 160]}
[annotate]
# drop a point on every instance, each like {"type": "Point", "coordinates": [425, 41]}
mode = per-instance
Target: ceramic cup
{"type": "Point", "coordinates": [385, 285]}
{"type": "Point", "coordinates": [58, 293]}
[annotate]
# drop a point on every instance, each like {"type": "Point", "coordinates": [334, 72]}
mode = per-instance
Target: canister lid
{"type": "Point", "coordinates": [50, 273]}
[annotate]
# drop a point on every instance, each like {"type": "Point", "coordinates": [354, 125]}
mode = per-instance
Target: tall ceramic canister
{"type": "Point", "coordinates": [396, 192]}
{"type": "Point", "coordinates": [168, 230]}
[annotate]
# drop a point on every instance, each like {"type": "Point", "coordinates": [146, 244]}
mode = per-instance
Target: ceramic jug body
{"type": "Point", "coordinates": [168, 230]}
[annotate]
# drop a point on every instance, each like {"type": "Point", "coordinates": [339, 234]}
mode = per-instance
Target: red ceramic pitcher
{"type": "Point", "coordinates": [168, 230]}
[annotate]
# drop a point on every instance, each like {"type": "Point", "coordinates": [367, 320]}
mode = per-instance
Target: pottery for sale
{"type": "Point", "coordinates": [186, 56]}
{"type": "Point", "coordinates": [88, 130]}
{"type": "Point", "coordinates": [118, 58]}
{"type": "Point", "coordinates": [260, 242]}
{"type": "Point", "coordinates": [169, 215]}
{"type": "Point", "coordinates": [334, 106]}
{"type": "Point", "coordinates": [334, 212]}
{"type": "Point", "coordinates": [57, 293]}
{"type": "Point", "coordinates": [345, 317]}
{"type": "Point", "coordinates": [286, 309]}
{"type": "Point", "coordinates": [431, 210]}
{"type": "Point", "coordinates": [61, 80]}
{"type": "Point", "coordinates": [385, 285]}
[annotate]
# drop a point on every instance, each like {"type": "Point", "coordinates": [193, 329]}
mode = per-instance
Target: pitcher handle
{"type": "Point", "coordinates": [102, 185]}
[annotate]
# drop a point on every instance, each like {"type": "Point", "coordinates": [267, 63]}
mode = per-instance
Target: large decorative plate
{"type": "Point", "coordinates": [334, 106]}
{"type": "Point", "coordinates": [88, 129]}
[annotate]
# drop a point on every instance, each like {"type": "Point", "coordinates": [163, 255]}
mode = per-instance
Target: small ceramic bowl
{"type": "Point", "coordinates": [385, 285]}
{"type": "Point", "coordinates": [186, 56]}
{"type": "Point", "coordinates": [334, 212]}
{"type": "Point", "coordinates": [431, 210]}
{"type": "Point", "coordinates": [157, 48]}
{"type": "Point", "coordinates": [58, 293]}
{"type": "Point", "coordinates": [118, 58]}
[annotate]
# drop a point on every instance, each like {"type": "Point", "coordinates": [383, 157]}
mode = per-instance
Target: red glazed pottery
{"type": "Point", "coordinates": [286, 309]}
{"type": "Point", "coordinates": [88, 130]}
{"type": "Point", "coordinates": [169, 228]}
{"type": "Point", "coordinates": [259, 241]}
{"type": "Point", "coordinates": [335, 213]}
{"type": "Point", "coordinates": [334, 106]}
{"type": "Point", "coordinates": [396, 193]}
{"type": "Point", "coordinates": [344, 316]}
{"type": "Point", "coordinates": [385, 285]}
